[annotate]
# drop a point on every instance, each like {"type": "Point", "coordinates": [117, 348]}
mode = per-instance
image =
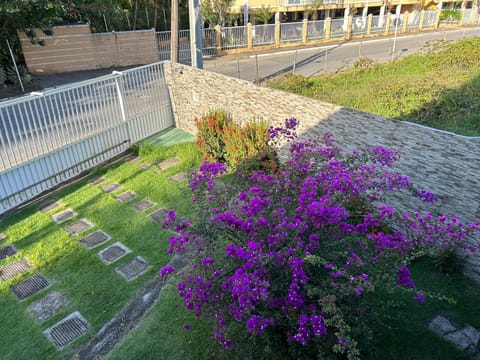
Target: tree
{"type": "Point", "coordinates": [263, 14]}
{"type": "Point", "coordinates": [216, 12]}
{"type": "Point", "coordinates": [313, 9]}
{"type": "Point", "coordinates": [23, 15]}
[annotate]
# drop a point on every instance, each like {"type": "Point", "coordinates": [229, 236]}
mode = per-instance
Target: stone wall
{"type": "Point", "coordinates": [74, 48]}
{"type": "Point", "coordinates": [444, 163]}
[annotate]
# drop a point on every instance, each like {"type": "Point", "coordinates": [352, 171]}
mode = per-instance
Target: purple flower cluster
{"type": "Point", "coordinates": [287, 250]}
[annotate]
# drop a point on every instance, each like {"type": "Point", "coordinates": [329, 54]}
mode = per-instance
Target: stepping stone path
{"type": "Point", "coordinates": [94, 239]}
{"type": "Point", "coordinates": [98, 181]}
{"type": "Point", "coordinates": [111, 188]}
{"type": "Point", "coordinates": [126, 196]}
{"type": "Point", "coordinates": [48, 205]}
{"type": "Point", "coordinates": [180, 177]}
{"type": "Point", "coordinates": [113, 253]}
{"type": "Point", "coordinates": [30, 286]}
{"type": "Point", "coordinates": [466, 338]}
{"type": "Point", "coordinates": [159, 216]}
{"type": "Point", "coordinates": [168, 163]}
{"type": "Point", "coordinates": [13, 269]}
{"type": "Point", "coordinates": [78, 227]}
{"type": "Point", "coordinates": [7, 251]}
{"type": "Point", "coordinates": [132, 269]}
{"type": "Point", "coordinates": [145, 166]}
{"type": "Point", "coordinates": [67, 330]}
{"type": "Point", "coordinates": [3, 237]}
{"type": "Point", "coordinates": [48, 306]}
{"type": "Point", "coordinates": [63, 216]}
{"type": "Point", "coordinates": [142, 205]}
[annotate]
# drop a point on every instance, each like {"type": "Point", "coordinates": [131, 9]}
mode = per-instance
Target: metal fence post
{"type": "Point", "coordinates": [118, 74]}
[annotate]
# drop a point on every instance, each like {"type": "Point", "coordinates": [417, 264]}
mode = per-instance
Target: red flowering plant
{"type": "Point", "coordinates": [291, 255]}
{"type": "Point", "coordinates": [221, 139]}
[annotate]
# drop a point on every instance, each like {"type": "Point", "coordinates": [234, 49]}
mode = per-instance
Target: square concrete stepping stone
{"type": "Point", "coordinates": [159, 216]}
{"type": "Point", "coordinates": [111, 188]}
{"type": "Point", "coordinates": [30, 286]}
{"type": "Point", "coordinates": [142, 205]}
{"type": "Point", "coordinates": [63, 216]}
{"type": "Point", "coordinates": [13, 269]}
{"type": "Point", "coordinates": [126, 196]}
{"type": "Point", "coordinates": [67, 330]}
{"type": "Point", "coordinates": [94, 239]}
{"type": "Point", "coordinates": [78, 226]}
{"type": "Point", "coordinates": [48, 205]}
{"type": "Point", "coordinates": [97, 181]}
{"type": "Point", "coordinates": [3, 237]}
{"type": "Point", "coordinates": [168, 163]}
{"type": "Point", "coordinates": [113, 252]}
{"type": "Point", "coordinates": [145, 166]}
{"type": "Point", "coordinates": [180, 177]}
{"type": "Point", "coordinates": [132, 269]}
{"type": "Point", "coordinates": [48, 306]}
{"type": "Point", "coordinates": [7, 251]}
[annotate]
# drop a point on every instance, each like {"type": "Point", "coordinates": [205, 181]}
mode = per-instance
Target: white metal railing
{"type": "Point", "coordinates": [51, 136]}
{"type": "Point", "coordinates": [316, 29]}
{"type": "Point", "coordinates": [291, 32]}
{"type": "Point", "coordinates": [263, 34]}
{"type": "Point", "coordinates": [429, 18]}
{"type": "Point", "coordinates": [234, 37]}
{"type": "Point", "coordinates": [208, 44]}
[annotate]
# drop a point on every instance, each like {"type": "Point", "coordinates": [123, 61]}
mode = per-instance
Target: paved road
{"type": "Point", "coordinates": [320, 58]}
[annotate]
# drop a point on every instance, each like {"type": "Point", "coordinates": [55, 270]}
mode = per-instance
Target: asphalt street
{"type": "Point", "coordinates": [318, 59]}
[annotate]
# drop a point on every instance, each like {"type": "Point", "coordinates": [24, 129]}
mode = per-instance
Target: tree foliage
{"type": "Point", "coordinates": [215, 12]}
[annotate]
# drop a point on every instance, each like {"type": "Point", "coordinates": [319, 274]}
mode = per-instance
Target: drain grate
{"type": "Point", "coordinates": [96, 238]}
{"type": "Point", "coordinates": [63, 216]}
{"type": "Point", "coordinates": [159, 216]}
{"type": "Point", "coordinates": [126, 196]}
{"type": "Point", "coordinates": [168, 163]}
{"type": "Point", "coordinates": [3, 237]}
{"type": "Point", "coordinates": [142, 205]}
{"type": "Point", "coordinates": [30, 286]}
{"type": "Point", "coordinates": [97, 181]}
{"type": "Point", "coordinates": [113, 252]}
{"type": "Point", "coordinates": [48, 205]}
{"type": "Point", "coordinates": [48, 306]}
{"type": "Point", "coordinates": [133, 269]}
{"type": "Point", "coordinates": [67, 330]}
{"type": "Point", "coordinates": [111, 188]}
{"type": "Point", "coordinates": [78, 226]}
{"type": "Point", "coordinates": [11, 270]}
{"type": "Point", "coordinates": [7, 251]}
{"type": "Point", "coordinates": [180, 177]}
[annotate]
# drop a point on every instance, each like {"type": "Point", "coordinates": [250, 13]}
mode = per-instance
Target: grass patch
{"type": "Point", "coordinates": [437, 89]}
{"type": "Point", "coordinates": [400, 328]}
{"type": "Point", "coordinates": [91, 287]}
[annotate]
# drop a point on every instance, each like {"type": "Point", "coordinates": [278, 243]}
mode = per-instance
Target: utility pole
{"type": "Point", "coordinates": [195, 33]}
{"type": "Point", "coordinates": [174, 32]}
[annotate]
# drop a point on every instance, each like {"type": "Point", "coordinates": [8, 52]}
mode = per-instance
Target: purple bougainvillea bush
{"type": "Point", "coordinates": [291, 255]}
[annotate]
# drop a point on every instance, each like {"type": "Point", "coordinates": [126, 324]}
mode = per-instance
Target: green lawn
{"type": "Point", "coordinates": [91, 287]}
{"type": "Point", "coordinates": [438, 89]}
